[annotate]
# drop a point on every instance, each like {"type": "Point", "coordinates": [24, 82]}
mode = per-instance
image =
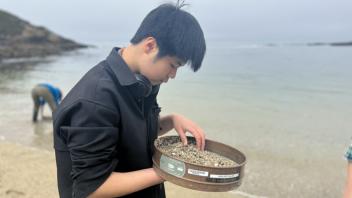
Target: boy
{"type": "Point", "coordinates": [105, 127]}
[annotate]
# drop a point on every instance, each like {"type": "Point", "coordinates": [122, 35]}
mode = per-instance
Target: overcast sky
{"type": "Point", "coordinates": [235, 20]}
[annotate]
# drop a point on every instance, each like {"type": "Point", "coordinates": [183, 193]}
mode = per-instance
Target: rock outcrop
{"type": "Point", "coordinates": [19, 39]}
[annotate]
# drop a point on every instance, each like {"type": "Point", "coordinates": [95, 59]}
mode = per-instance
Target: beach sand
{"type": "Point", "coordinates": [30, 172]}
{"type": "Point", "coordinates": [26, 172]}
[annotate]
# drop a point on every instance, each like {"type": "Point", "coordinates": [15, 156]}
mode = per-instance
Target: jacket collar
{"type": "Point", "coordinates": [120, 68]}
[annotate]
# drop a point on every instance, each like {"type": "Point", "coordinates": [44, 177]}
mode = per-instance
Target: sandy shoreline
{"type": "Point", "coordinates": [30, 172]}
{"type": "Point", "coordinates": [26, 172]}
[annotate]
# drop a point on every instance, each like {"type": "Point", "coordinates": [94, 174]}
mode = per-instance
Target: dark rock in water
{"type": "Point", "coordinates": [316, 44]}
{"type": "Point", "coordinates": [341, 44]}
{"type": "Point", "coordinates": [330, 44]}
{"type": "Point", "coordinates": [18, 38]}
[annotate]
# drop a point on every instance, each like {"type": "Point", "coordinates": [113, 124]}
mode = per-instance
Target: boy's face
{"type": "Point", "coordinates": [159, 70]}
{"type": "Point", "coordinates": [162, 69]}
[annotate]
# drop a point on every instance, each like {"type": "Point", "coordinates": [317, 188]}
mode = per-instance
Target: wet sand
{"type": "Point", "coordinates": [30, 172]}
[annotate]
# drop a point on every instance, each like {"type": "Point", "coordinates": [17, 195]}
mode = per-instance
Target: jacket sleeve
{"type": "Point", "coordinates": [92, 136]}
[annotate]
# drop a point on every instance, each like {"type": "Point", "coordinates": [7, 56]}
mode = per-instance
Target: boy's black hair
{"type": "Point", "coordinates": [176, 32]}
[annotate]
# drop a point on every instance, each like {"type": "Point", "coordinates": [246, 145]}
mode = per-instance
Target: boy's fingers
{"type": "Point", "coordinates": [182, 135]}
{"type": "Point", "coordinates": [200, 137]}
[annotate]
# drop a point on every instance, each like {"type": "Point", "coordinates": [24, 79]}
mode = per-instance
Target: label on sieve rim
{"type": "Point", "coordinates": [172, 166]}
{"type": "Point", "coordinates": [198, 172]}
{"type": "Point", "coordinates": [224, 176]}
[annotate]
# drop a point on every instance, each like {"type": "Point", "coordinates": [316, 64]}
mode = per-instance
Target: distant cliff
{"type": "Point", "coordinates": [18, 38]}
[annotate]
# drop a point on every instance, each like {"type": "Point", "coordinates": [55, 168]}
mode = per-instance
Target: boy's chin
{"type": "Point", "coordinates": [154, 83]}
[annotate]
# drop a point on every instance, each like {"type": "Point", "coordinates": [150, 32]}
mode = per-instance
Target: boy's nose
{"type": "Point", "coordinates": [173, 73]}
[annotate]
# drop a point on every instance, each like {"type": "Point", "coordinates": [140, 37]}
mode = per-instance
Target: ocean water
{"type": "Point", "coordinates": [286, 107]}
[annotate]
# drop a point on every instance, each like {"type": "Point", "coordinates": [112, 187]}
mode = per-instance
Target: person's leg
{"type": "Point", "coordinates": [49, 98]}
{"type": "Point", "coordinates": [36, 104]}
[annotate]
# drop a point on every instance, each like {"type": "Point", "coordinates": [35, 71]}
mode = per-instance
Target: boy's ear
{"type": "Point", "coordinates": [150, 45]}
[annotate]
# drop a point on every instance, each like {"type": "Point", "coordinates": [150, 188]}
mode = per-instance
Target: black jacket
{"type": "Point", "coordinates": [105, 124]}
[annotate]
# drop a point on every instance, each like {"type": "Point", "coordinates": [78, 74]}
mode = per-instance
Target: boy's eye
{"type": "Point", "coordinates": [172, 65]}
